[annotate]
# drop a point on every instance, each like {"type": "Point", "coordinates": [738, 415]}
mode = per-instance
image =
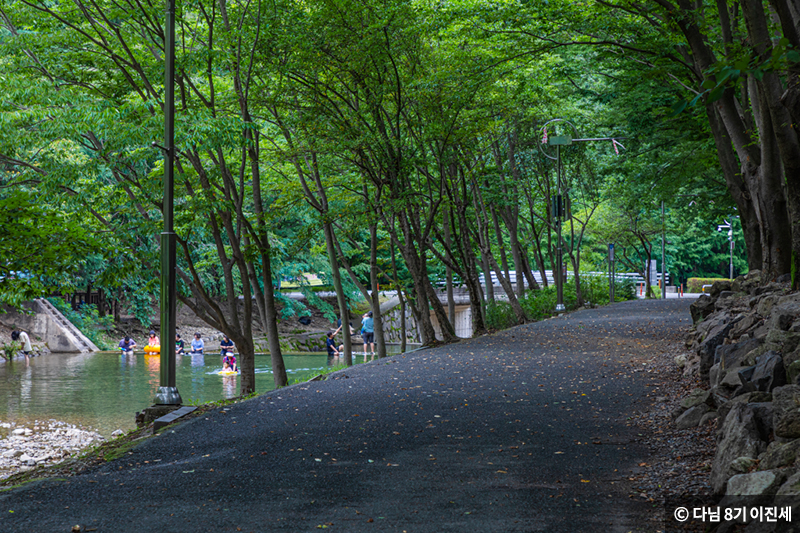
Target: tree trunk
{"type": "Point", "coordinates": [344, 314]}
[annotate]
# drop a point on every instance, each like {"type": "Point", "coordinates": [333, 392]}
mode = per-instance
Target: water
{"type": "Point", "coordinates": [103, 390]}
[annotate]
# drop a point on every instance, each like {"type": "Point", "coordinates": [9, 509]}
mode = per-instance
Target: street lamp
{"type": "Point", "coordinates": [558, 202]}
{"type": "Point", "coordinates": [727, 225]}
{"type": "Point", "coordinates": [167, 393]}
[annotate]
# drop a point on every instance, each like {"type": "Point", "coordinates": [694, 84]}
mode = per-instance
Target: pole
{"type": "Point", "coordinates": [663, 253]}
{"type": "Point", "coordinates": [730, 238]}
{"type": "Point", "coordinates": [611, 276]}
{"type": "Point", "coordinates": [167, 393]}
{"type": "Point", "coordinates": [559, 259]}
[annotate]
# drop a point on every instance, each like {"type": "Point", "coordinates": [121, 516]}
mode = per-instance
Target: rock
{"type": "Point", "coordinates": [117, 433]}
{"type": "Point", "coordinates": [697, 397]}
{"type": "Point", "coordinates": [782, 341]}
{"type": "Point", "coordinates": [740, 438]}
{"type": "Point", "coordinates": [714, 375]}
{"type": "Point", "coordinates": [11, 453]}
{"type": "Point", "coordinates": [779, 454]}
{"type": "Point", "coordinates": [708, 417]}
{"type": "Point", "coordinates": [750, 397]}
{"type": "Point", "coordinates": [719, 286]}
{"type": "Point", "coordinates": [692, 417]}
{"type": "Point", "coordinates": [765, 304]}
{"type": "Point", "coordinates": [762, 483]}
{"type": "Point", "coordinates": [791, 487]}
{"type": "Point", "coordinates": [764, 414]}
{"type": "Point", "coordinates": [701, 308]}
{"type": "Point", "coordinates": [18, 431]}
{"type": "Point", "coordinates": [734, 355]}
{"type": "Point", "coordinates": [744, 325]}
{"type": "Point", "coordinates": [786, 405]}
{"type": "Point", "coordinates": [769, 372]}
{"type": "Point", "coordinates": [743, 464]}
{"type": "Point", "coordinates": [708, 347]}
{"type": "Point", "coordinates": [680, 360]}
{"type": "Point", "coordinates": [793, 372]}
{"type": "Point", "coordinates": [745, 375]}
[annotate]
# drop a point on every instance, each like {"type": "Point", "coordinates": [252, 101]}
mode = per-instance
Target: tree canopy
{"type": "Point", "coordinates": [322, 136]}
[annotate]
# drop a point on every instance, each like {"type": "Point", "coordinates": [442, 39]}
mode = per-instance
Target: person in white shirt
{"type": "Point", "coordinates": [22, 337]}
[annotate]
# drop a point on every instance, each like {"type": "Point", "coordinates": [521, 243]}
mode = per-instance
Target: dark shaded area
{"type": "Point", "coordinates": [525, 430]}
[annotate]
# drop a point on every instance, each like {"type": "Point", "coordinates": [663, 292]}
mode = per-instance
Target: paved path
{"type": "Point", "coordinates": [524, 430]}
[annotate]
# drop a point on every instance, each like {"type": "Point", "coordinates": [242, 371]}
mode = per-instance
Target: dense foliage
{"type": "Point", "coordinates": [388, 144]}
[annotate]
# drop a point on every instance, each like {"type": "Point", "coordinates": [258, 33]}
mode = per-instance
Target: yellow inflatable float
{"type": "Point", "coordinates": [152, 349]}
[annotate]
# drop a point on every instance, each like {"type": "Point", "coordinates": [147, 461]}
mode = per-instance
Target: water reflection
{"type": "Point", "coordinates": [103, 390]}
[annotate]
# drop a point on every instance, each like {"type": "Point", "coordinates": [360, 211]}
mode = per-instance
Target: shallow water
{"type": "Point", "coordinates": [103, 390]}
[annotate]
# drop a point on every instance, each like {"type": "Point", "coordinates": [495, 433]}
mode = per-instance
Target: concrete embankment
{"type": "Point", "coordinates": [47, 326]}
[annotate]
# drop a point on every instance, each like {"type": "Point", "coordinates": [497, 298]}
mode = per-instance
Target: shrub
{"type": "Point", "coordinates": [540, 304]}
{"type": "Point", "coordinates": [500, 315]}
{"type": "Point", "coordinates": [696, 284]}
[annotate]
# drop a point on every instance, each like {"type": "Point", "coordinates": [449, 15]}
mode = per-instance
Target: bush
{"type": "Point", "coordinates": [696, 284]}
{"type": "Point", "coordinates": [87, 319]}
{"type": "Point", "coordinates": [500, 315]}
{"type": "Point", "coordinates": [540, 304]}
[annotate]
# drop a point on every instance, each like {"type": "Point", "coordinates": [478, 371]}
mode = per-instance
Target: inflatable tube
{"type": "Point", "coordinates": [152, 349]}
{"type": "Point", "coordinates": [227, 373]}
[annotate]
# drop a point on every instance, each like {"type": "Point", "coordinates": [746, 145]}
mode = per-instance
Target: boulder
{"type": "Point", "coordinates": [747, 283]}
{"type": "Point", "coordinates": [791, 487]}
{"type": "Point", "coordinates": [691, 417]}
{"type": "Point", "coordinates": [779, 454]}
{"type": "Point", "coordinates": [782, 341]}
{"type": "Point", "coordinates": [708, 347]}
{"type": "Point", "coordinates": [761, 483]}
{"type": "Point", "coordinates": [793, 372]}
{"type": "Point", "coordinates": [751, 397]}
{"type": "Point", "coordinates": [740, 438]}
{"type": "Point", "coordinates": [701, 308]}
{"type": "Point", "coordinates": [769, 372]}
{"type": "Point", "coordinates": [765, 305]}
{"type": "Point", "coordinates": [719, 286]}
{"type": "Point", "coordinates": [708, 417]}
{"type": "Point", "coordinates": [698, 397]}
{"type": "Point", "coordinates": [744, 325]}
{"type": "Point", "coordinates": [786, 415]}
{"type": "Point", "coordinates": [764, 414]}
{"type": "Point", "coordinates": [737, 354]}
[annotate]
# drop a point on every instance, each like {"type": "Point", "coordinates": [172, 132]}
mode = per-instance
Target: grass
{"type": "Point", "coordinates": [324, 373]}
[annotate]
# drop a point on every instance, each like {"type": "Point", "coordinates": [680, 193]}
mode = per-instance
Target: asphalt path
{"type": "Point", "coordinates": [525, 430]}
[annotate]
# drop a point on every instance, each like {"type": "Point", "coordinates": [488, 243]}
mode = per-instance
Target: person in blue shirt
{"type": "Point", "coordinates": [367, 327]}
{"type": "Point", "coordinates": [127, 345]}
{"type": "Point", "coordinates": [226, 350]}
{"type": "Point", "coordinates": [330, 345]}
{"type": "Point", "coordinates": [197, 344]}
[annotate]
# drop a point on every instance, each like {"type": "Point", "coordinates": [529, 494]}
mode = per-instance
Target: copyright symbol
{"type": "Point", "coordinates": [681, 514]}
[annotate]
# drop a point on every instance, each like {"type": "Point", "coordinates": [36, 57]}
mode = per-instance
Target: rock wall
{"type": "Point", "coordinates": [746, 348]}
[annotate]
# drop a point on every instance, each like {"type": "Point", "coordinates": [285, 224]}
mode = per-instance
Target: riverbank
{"type": "Point", "coordinates": [44, 443]}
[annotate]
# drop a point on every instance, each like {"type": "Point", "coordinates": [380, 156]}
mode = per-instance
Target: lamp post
{"type": "Point", "coordinates": [559, 202]}
{"type": "Point", "coordinates": [727, 225]}
{"type": "Point", "coordinates": [663, 253]}
{"type": "Point", "coordinates": [167, 393]}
